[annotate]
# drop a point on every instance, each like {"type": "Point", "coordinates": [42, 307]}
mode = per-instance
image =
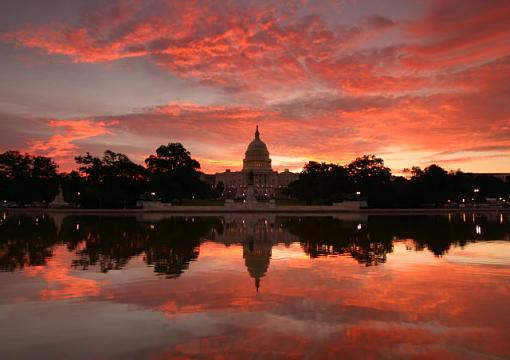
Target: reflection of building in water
{"type": "Point", "coordinates": [241, 228]}
{"type": "Point", "coordinates": [267, 183]}
{"type": "Point", "coordinates": [257, 255]}
{"type": "Point", "coordinates": [257, 235]}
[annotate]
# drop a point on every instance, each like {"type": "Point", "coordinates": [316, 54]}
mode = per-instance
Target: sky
{"type": "Point", "coordinates": [415, 82]}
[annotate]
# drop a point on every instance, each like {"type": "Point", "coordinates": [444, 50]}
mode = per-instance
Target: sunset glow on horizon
{"type": "Point", "coordinates": [414, 82]}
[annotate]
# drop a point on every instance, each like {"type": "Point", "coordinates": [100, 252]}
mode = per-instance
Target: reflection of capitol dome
{"type": "Point", "coordinates": [257, 156]}
{"type": "Point", "coordinates": [257, 256]}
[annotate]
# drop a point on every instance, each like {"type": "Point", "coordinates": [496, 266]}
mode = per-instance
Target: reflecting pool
{"type": "Point", "coordinates": [255, 286]}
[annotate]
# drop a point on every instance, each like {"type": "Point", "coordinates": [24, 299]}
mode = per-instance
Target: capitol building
{"type": "Point", "coordinates": [257, 170]}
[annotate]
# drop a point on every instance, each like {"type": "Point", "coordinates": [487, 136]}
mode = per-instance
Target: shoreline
{"type": "Point", "coordinates": [269, 210]}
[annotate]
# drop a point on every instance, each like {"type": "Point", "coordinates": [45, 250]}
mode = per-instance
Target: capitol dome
{"type": "Point", "coordinates": [257, 156]}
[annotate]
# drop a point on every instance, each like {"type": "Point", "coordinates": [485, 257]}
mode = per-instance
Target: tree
{"type": "Point", "coordinates": [73, 186]}
{"type": "Point", "coordinates": [26, 178]}
{"type": "Point", "coordinates": [368, 172]}
{"type": "Point", "coordinates": [369, 176]}
{"type": "Point", "coordinates": [322, 182]}
{"type": "Point", "coordinates": [174, 174]}
{"type": "Point", "coordinates": [171, 157]}
{"type": "Point", "coordinates": [433, 184]}
{"type": "Point", "coordinates": [113, 181]}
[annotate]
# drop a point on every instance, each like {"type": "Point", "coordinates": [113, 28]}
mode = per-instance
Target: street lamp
{"type": "Point", "coordinates": [358, 193]}
{"type": "Point", "coordinates": [476, 190]}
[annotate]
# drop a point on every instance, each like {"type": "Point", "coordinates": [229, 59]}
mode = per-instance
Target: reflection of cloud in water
{"type": "Point", "coordinates": [486, 253]}
{"type": "Point", "coordinates": [315, 299]}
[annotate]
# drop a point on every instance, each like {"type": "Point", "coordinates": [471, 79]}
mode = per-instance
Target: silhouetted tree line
{"type": "Point", "coordinates": [111, 181]}
{"type": "Point", "coordinates": [367, 178]}
{"type": "Point", "coordinates": [171, 175]}
{"type": "Point", "coordinates": [25, 178]}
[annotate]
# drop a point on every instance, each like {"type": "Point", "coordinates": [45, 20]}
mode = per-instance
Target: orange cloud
{"type": "Point", "coordinates": [62, 143]}
{"type": "Point", "coordinates": [409, 89]}
{"type": "Point", "coordinates": [264, 46]}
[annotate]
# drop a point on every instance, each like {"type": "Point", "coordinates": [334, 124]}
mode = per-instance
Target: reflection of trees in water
{"type": "Point", "coordinates": [26, 241]}
{"type": "Point", "coordinates": [326, 236]}
{"type": "Point", "coordinates": [171, 243]}
{"type": "Point", "coordinates": [174, 242]}
{"type": "Point", "coordinates": [107, 242]}
{"type": "Point", "coordinates": [439, 233]}
{"type": "Point", "coordinates": [369, 244]}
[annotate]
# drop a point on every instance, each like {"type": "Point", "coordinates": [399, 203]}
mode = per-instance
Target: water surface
{"type": "Point", "coordinates": [255, 287]}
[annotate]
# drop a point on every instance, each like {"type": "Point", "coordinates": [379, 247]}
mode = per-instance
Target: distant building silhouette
{"type": "Point", "coordinates": [501, 176]}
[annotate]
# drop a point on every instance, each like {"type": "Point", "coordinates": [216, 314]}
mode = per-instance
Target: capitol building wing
{"type": "Point", "coordinates": [257, 169]}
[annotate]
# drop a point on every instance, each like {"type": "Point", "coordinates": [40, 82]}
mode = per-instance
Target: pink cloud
{"type": "Point", "coordinates": [260, 45]}
{"type": "Point", "coordinates": [319, 89]}
{"type": "Point", "coordinates": [62, 144]}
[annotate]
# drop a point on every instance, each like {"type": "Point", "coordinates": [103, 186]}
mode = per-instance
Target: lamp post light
{"type": "Point", "coordinates": [476, 192]}
{"type": "Point", "coordinates": [358, 193]}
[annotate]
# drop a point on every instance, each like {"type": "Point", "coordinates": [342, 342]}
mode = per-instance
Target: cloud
{"type": "Point", "coordinates": [320, 88]}
{"type": "Point", "coordinates": [376, 22]}
{"type": "Point", "coordinates": [240, 46]}
{"type": "Point", "coordinates": [62, 143]}
{"type": "Point", "coordinates": [236, 46]}
{"type": "Point", "coordinates": [459, 33]}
